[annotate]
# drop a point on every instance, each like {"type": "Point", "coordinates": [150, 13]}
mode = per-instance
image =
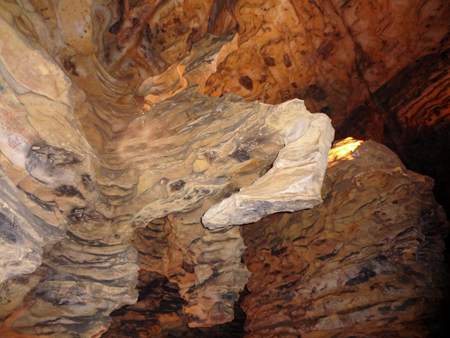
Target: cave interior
{"type": "Point", "coordinates": [224, 168]}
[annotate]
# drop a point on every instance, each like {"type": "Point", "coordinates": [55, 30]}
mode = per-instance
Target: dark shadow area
{"type": "Point", "coordinates": [158, 313]}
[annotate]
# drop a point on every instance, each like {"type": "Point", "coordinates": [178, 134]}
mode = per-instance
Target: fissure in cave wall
{"type": "Point", "coordinates": [132, 146]}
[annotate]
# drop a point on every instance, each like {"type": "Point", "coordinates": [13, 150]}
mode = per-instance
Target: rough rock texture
{"type": "Point", "coordinates": [416, 117]}
{"type": "Point", "coordinates": [88, 158]}
{"type": "Point", "coordinates": [205, 265]}
{"type": "Point", "coordinates": [112, 156]}
{"type": "Point", "coordinates": [158, 313]}
{"type": "Point", "coordinates": [366, 64]}
{"type": "Point", "coordinates": [368, 261]}
{"type": "Point", "coordinates": [332, 53]}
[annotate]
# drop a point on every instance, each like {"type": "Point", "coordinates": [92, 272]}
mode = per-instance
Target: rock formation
{"type": "Point", "coordinates": [132, 149]}
{"type": "Point", "coordinates": [158, 313]}
{"type": "Point", "coordinates": [87, 162]}
{"type": "Point", "coordinates": [367, 262]}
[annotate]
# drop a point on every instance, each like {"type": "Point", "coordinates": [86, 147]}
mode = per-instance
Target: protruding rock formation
{"type": "Point", "coordinates": [367, 262]}
{"type": "Point", "coordinates": [115, 163]}
{"type": "Point", "coordinates": [88, 159]}
{"type": "Point", "coordinates": [206, 265]}
{"type": "Point", "coordinates": [158, 313]}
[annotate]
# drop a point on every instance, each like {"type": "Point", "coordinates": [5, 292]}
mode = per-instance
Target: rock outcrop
{"type": "Point", "coordinates": [206, 265]}
{"type": "Point", "coordinates": [132, 148]}
{"type": "Point", "coordinates": [88, 159]}
{"type": "Point", "coordinates": [158, 313]}
{"type": "Point", "coordinates": [367, 262]}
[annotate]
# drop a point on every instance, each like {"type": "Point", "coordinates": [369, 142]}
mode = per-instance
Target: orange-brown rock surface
{"type": "Point", "coordinates": [131, 148]}
{"type": "Point", "coordinates": [205, 265]}
{"type": "Point", "coordinates": [367, 262]}
{"type": "Point", "coordinates": [158, 313]}
{"type": "Point", "coordinates": [88, 158]}
{"type": "Point", "coordinates": [333, 54]}
{"type": "Point", "coordinates": [377, 68]}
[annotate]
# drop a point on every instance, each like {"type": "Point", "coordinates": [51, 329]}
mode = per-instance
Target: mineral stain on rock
{"type": "Point", "coordinates": [269, 61]}
{"type": "Point", "coordinates": [178, 185]}
{"type": "Point", "coordinates": [8, 229]}
{"type": "Point", "coordinates": [246, 82]}
{"type": "Point", "coordinates": [68, 190]}
{"type": "Point", "coordinates": [240, 154]}
{"type": "Point", "coordinates": [363, 276]}
{"type": "Point", "coordinates": [125, 157]}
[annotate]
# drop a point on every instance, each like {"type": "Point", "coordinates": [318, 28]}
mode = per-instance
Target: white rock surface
{"type": "Point", "coordinates": [295, 180]}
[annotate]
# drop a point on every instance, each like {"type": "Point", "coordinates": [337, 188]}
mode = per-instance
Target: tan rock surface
{"type": "Point", "coordinates": [108, 144]}
{"type": "Point", "coordinates": [206, 265]}
{"type": "Point", "coordinates": [90, 158]}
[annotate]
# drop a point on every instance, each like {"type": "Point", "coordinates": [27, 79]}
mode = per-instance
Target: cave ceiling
{"type": "Point", "coordinates": [167, 168]}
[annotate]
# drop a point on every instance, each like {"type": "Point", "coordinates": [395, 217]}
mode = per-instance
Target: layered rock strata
{"type": "Point", "coordinates": [367, 262]}
{"type": "Point", "coordinates": [105, 130]}
{"type": "Point", "coordinates": [413, 118]}
{"type": "Point", "coordinates": [378, 69]}
{"type": "Point", "coordinates": [206, 265]}
{"type": "Point", "coordinates": [88, 158]}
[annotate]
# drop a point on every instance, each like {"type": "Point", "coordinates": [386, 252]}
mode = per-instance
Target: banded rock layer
{"type": "Point", "coordinates": [87, 159]}
{"type": "Point", "coordinates": [113, 160]}
{"type": "Point", "coordinates": [367, 262]}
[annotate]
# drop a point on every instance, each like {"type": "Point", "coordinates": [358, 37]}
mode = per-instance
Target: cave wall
{"type": "Point", "coordinates": [122, 115]}
{"type": "Point", "coordinates": [367, 262]}
{"type": "Point", "coordinates": [89, 158]}
{"type": "Point", "coordinates": [415, 103]}
{"type": "Point", "coordinates": [332, 54]}
{"type": "Point", "coordinates": [377, 68]}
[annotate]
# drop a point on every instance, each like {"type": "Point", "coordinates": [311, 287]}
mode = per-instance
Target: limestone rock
{"type": "Point", "coordinates": [368, 261]}
{"type": "Point", "coordinates": [205, 265]}
{"type": "Point", "coordinates": [89, 158]}
{"type": "Point", "coordinates": [415, 117]}
{"type": "Point", "coordinates": [121, 129]}
{"type": "Point", "coordinates": [332, 54]}
{"type": "Point", "coordinates": [22, 234]}
{"type": "Point", "coordinates": [293, 183]}
{"type": "Point", "coordinates": [158, 313]}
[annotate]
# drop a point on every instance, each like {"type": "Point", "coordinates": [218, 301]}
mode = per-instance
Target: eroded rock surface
{"type": "Point", "coordinates": [368, 261]}
{"type": "Point", "coordinates": [206, 265]}
{"type": "Point", "coordinates": [88, 158]}
{"type": "Point", "coordinates": [112, 156]}
{"type": "Point", "coordinates": [158, 313]}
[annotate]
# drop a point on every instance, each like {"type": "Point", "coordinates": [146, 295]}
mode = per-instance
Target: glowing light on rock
{"type": "Point", "coordinates": [343, 150]}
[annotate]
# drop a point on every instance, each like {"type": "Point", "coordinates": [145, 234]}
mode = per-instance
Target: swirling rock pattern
{"type": "Point", "coordinates": [333, 54]}
{"type": "Point", "coordinates": [340, 56]}
{"type": "Point", "coordinates": [367, 262]}
{"type": "Point", "coordinates": [90, 155]}
{"type": "Point", "coordinates": [113, 160]}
